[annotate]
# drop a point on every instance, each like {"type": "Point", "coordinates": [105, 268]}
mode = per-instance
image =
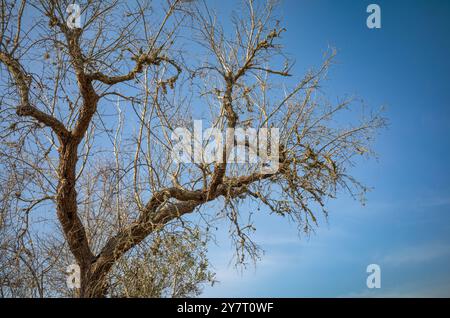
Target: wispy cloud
{"type": "Point", "coordinates": [417, 254]}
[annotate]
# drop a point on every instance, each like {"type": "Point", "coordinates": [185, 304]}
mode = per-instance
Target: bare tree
{"type": "Point", "coordinates": [111, 91]}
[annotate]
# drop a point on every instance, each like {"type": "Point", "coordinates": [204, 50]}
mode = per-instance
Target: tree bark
{"type": "Point", "coordinates": [93, 284]}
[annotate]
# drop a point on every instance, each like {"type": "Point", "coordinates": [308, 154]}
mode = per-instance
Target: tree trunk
{"type": "Point", "coordinates": [92, 285]}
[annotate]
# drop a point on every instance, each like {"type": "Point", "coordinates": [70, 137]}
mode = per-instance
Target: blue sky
{"type": "Point", "coordinates": [405, 226]}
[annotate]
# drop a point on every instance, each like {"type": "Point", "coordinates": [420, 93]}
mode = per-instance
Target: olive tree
{"type": "Point", "coordinates": [111, 90]}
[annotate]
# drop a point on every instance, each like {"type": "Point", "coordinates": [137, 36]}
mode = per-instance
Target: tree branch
{"type": "Point", "coordinates": [141, 61]}
{"type": "Point", "coordinates": [23, 81]}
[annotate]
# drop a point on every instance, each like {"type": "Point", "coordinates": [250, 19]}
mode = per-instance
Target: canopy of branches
{"type": "Point", "coordinates": [86, 118]}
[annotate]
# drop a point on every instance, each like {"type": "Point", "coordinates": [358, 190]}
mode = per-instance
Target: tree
{"type": "Point", "coordinates": [112, 91]}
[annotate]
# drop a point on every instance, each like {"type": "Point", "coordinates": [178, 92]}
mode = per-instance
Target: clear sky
{"type": "Point", "coordinates": [405, 226]}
